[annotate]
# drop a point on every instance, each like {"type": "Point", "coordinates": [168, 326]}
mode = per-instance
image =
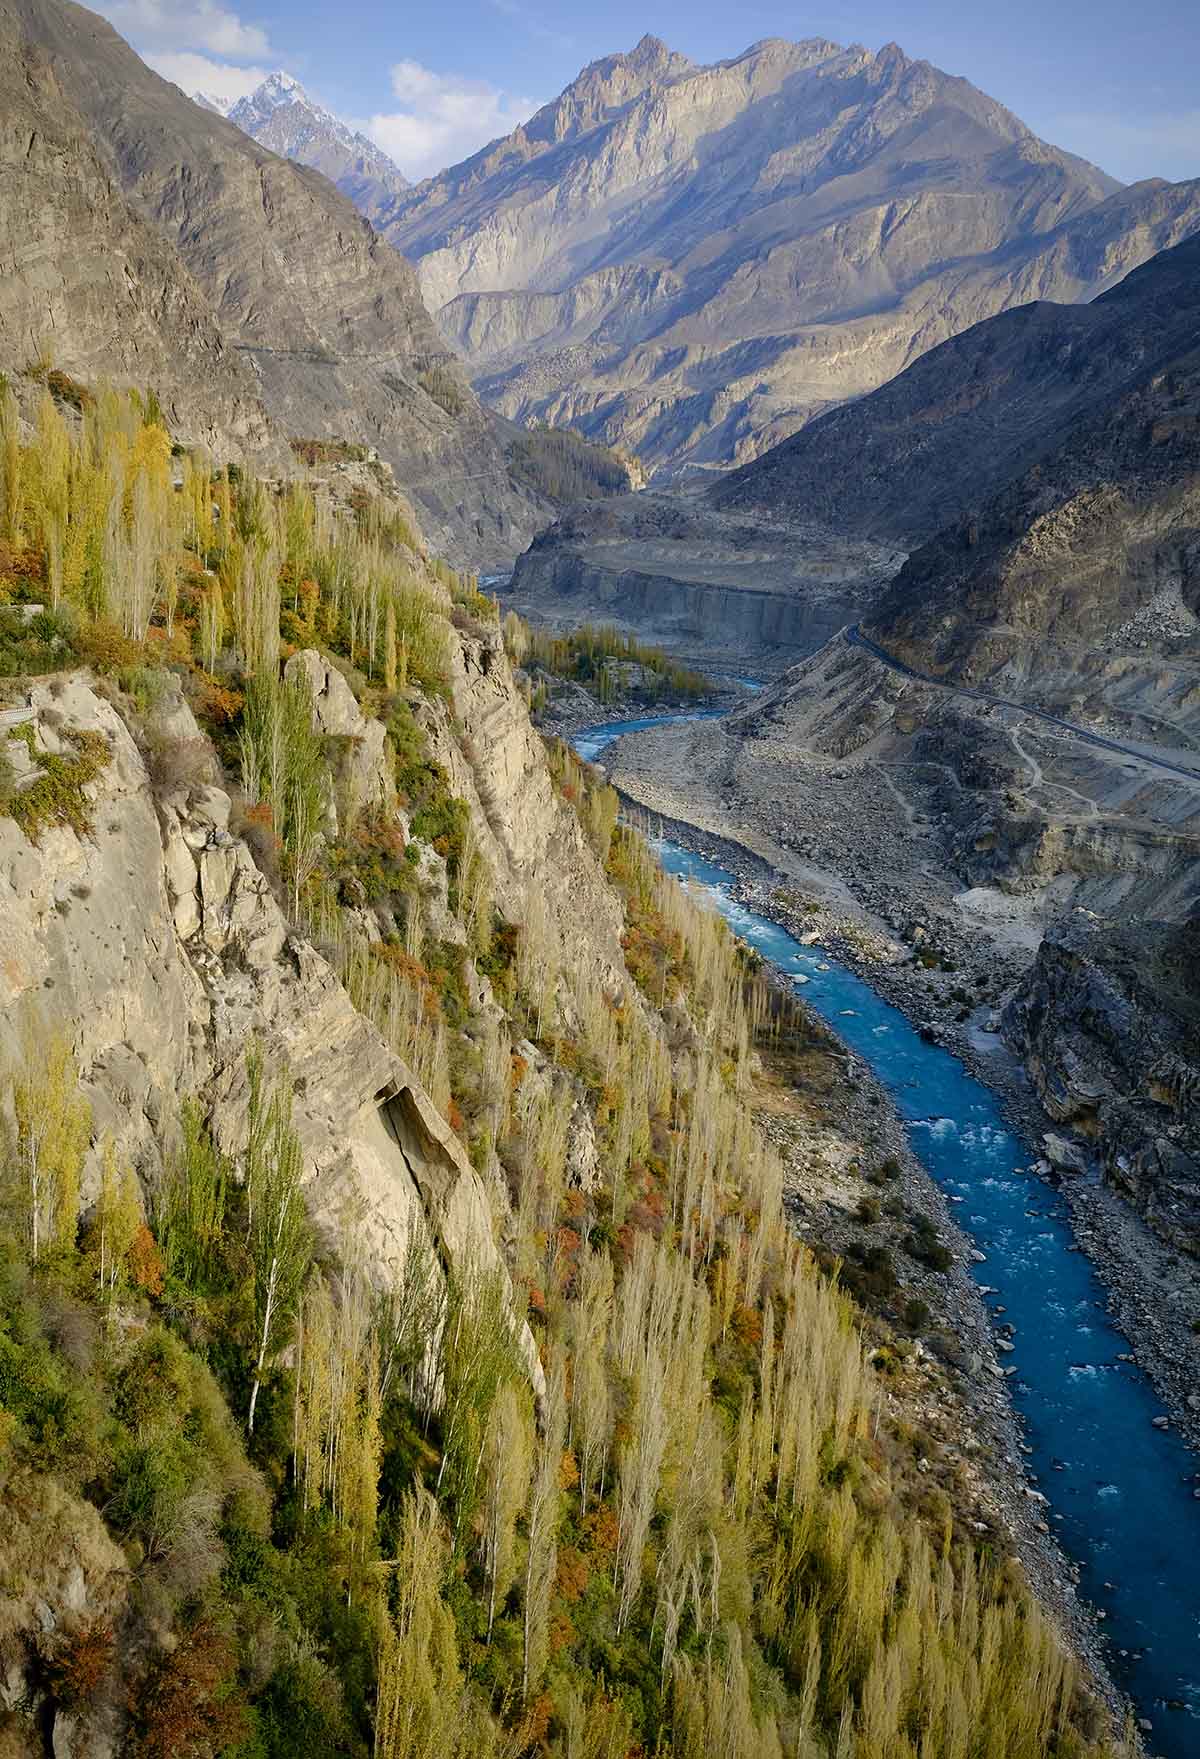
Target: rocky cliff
{"type": "Point", "coordinates": [694, 261]}
{"type": "Point", "coordinates": [156, 943]}
{"type": "Point", "coordinates": [1106, 1022]}
{"type": "Point", "coordinates": [90, 285]}
{"type": "Point", "coordinates": [243, 268]}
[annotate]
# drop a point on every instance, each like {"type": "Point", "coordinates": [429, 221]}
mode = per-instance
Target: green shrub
{"type": "Point", "coordinates": [58, 796]}
{"type": "Point", "coordinates": [566, 467]}
{"type": "Point", "coordinates": [924, 1244]}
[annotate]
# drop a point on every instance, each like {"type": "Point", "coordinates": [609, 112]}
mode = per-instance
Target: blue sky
{"type": "Point", "coordinates": [1114, 80]}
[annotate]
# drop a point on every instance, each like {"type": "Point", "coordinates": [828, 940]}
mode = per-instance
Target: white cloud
{"type": "Point", "coordinates": [185, 24]}
{"type": "Point", "coordinates": [442, 118]}
{"type": "Point", "coordinates": [198, 73]}
{"type": "Point", "coordinates": [1131, 147]}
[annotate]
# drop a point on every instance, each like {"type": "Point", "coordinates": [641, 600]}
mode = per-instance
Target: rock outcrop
{"type": "Point", "coordinates": [156, 943]}
{"type": "Point", "coordinates": [530, 837]}
{"type": "Point", "coordinates": [694, 261]}
{"type": "Point", "coordinates": [1107, 1021]}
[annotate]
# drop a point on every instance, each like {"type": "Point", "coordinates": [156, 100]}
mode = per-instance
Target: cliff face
{"type": "Point", "coordinates": [695, 261]}
{"type": "Point", "coordinates": [532, 840]}
{"type": "Point", "coordinates": [156, 944]}
{"type": "Point", "coordinates": [248, 258]}
{"type": "Point", "coordinates": [1106, 1022]}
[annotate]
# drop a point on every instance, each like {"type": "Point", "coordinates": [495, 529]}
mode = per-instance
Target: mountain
{"type": "Point", "coordinates": [694, 261]}
{"type": "Point", "coordinates": [913, 456]}
{"type": "Point", "coordinates": [158, 243]}
{"type": "Point", "coordinates": [282, 117]}
{"type": "Point", "coordinates": [91, 282]}
{"type": "Point", "coordinates": [1043, 469]}
{"type": "Point", "coordinates": [1094, 541]}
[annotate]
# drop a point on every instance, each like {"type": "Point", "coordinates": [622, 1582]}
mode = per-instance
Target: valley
{"type": "Point", "coordinates": [980, 791]}
{"type": "Point", "coordinates": [599, 899]}
{"type": "Point", "coordinates": [1071, 1371]}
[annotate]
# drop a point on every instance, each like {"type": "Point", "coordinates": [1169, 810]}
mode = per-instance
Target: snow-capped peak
{"type": "Point", "coordinates": [279, 88]}
{"type": "Point", "coordinates": [281, 116]}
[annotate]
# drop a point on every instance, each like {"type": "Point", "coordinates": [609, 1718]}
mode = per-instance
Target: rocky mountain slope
{"type": "Point", "coordinates": [969, 415]}
{"type": "Point", "coordinates": [694, 261]}
{"type": "Point", "coordinates": [282, 117]}
{"type": "Point", "coordinates": [90, 283]}
{"type": "Point", "coordinates": [1091, 552]}
{"type": "Point", "coordinates": [258, 275]}
{"type": "Point", "coordinates": [369, 1098]}
{"type": "Point", "coordinates": [1106, 1022]}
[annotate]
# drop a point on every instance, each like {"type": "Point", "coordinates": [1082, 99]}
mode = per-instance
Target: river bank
{"type": "Point", "coordinates": [833, 869]}
{"type": "Point", "coordinates": [1119, 1505]}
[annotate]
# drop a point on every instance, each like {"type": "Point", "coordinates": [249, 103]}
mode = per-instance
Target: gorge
{"type": "Point", "coordinates": [1119, 1490]}
{"type": "Point", "coordinates": [600, 1158]}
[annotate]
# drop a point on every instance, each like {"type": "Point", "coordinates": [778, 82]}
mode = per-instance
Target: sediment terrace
{"type": "Point", "coordinates": [710, 586]}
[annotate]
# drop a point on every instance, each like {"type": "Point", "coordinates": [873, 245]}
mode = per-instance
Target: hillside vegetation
{"type": "Point", "coordinates": [318, 1514]}
{"type": "Point", "coordinates": [611, 663]}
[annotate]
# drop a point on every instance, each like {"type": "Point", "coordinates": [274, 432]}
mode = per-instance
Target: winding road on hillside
{"type": "Point", "coordinates": [856, 638]}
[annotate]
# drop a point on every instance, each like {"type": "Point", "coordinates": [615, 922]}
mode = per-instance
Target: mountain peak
{"type": "Point", "coordinates": [282, 117]}
{"type": "Point", "coordinates": [278, 91]}
{"type": "Point", "coordinates": [280, 88]}
{"type": "Point", "coordinates": [650, 51]}
{"type": "Point", "coordinates": [695, 236]}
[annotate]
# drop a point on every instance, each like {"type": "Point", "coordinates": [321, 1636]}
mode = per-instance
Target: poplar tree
{"type": "Point", "coordinates": [591, 1396]}
{"type": "Point", "coordinates": [420, 1683]}
{"type": "Point", "coordinates": [190, 1212]}
{"type": "Point", "coordinates": [118, 1216]}
{"type": "Point", "coordinates": [53, 1125]}
{"type": "Point", "coordinates": [279, 1237]}
{"type": "Point", "coordinates": [541, 1556]}
{"type": "Point", "coordinates": [12, 484]}
{"type": "Point", "coordinates": [507, 1461]}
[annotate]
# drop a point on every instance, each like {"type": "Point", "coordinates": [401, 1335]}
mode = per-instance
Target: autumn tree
{"type": "Point", "coordinates": [53, 1126]}
{"type": "Point", "coordinates": [279, 1237]}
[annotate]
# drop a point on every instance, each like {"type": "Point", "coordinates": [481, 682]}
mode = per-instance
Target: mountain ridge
{"type": "Point", "coordinates": [318, 323]}
{"type": "Point", "coordinates": [282, 116]}
{"type": "Point", "coordinates": [917, 453]}
{"type": "Point", "coordinates": [694, 261]}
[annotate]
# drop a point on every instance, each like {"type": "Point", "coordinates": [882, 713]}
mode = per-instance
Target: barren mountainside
{"type": "Point", "coordinates": [89, 280]}
{"type": "Point", "coordinates": [963, 419]}
{"type": "Point", "coordinates": [694, 261]}
{"type": "Point", "coordinates": [251, 259]}
{"type": "Point", "coordinates": [1096, 542]}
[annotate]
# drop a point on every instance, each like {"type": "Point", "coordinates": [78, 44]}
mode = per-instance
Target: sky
{"type": "Point", "coordinates": [1112, 80]}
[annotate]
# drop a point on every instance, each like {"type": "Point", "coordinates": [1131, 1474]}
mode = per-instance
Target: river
{"type": "Point", "coordinates": [1120, 1491]}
